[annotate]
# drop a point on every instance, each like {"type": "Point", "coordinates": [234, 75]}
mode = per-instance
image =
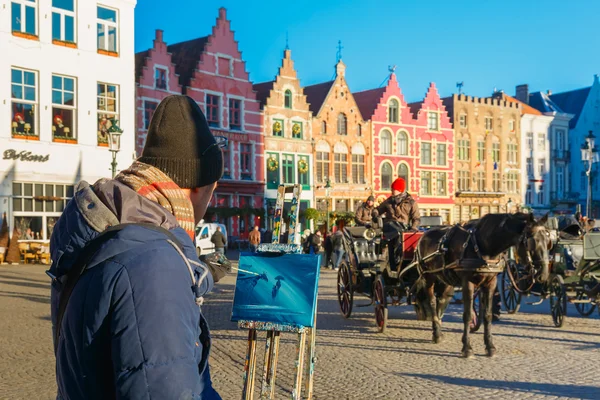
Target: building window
{"type": "Point", "coordinates": [288, 99]}
{"type": "Point", "coordinates": [541, 142]}
{"type": "Point", "coordinates": [560, 139]}
{"type": "Point", "coordinates": [63, 20]}
{"type": "Point", "coordinates": [304, 171]}
{"type": "Point", "coordinates": [224, 66]}
{"type": "Point", "coordinates": [440, 183]}
{"type": "Point", "coordinates": [278, 127]}
{"type": "Point", "coordinates": [529, 141]}
{"type": "Point", "coordinates": [287, 166]}
{"type": "Point", "coordinates": [480, 181]}
{"type": "Point", "coordinates": [393, 111]}
{"type": "Point", "coordinates": [386, 176]}
{"type": "Point", "coordinates": [107, 29]}
{"type": "Point", "coordinates": [149, 108]}
{"type": "Point", "coordinates": [403, 173]}
{"type": "Point", "coordinates": [359, 130]}
{"type": "Point", "coordinates": [297, 129]}
{"type": "Point", "coordinates": [481, 151]}
{"type": "Point", "coordinates": [542, 167]}
{"type": "Point", "coordinates": [64, 109]}
{"type": "Point", "coordinates": [358, 168]}
{"type": "Point", "coordinates": [235, 114]}
{"type": "Point", "coordinates": [37, 206]}
{"type": "Point", "coordinates": [489, 123]}
{"type": "Point", "coordinates": [342, 124]}
{"type": "Point", "coordinates": [24, 15]}
{"type": "Point", "coordinates": [226, 162]}
{"type": "Point", "coordinates": [529, 195]}
{"type": "Point", "coordinates": [322, 166]}
{"type": "Point", "coordinates": [496, 182]}
{"type": "Point", "coordinates": [386, 142]}
{"type": "Point", "coordinates": [212, 110]}
{"type": "Point", "coordinates": [462, 120]}
{"type": "Point", "coordinates": [560, 184]}
{"type": "Point", "coordinates": [108, 110]}
{"type": "Point", "coordinates": [540, 195]}
{"type": "Point", "coordinates": [323, 128]}
{"type": "Point", "coordinates": [339, 167]}
{"type": "Point", "coordinates": [464, 150]}
{"type": "Point", "coordinates": [441, 154]}
{"type": "Point", "coordinates": [464, 181]}
{"type": "Point", "coordinates": [402, 144]}
{"type": "Point", "coordinates": [433, 121]}
{"type": "Point", "coordinates": [246, 161]}
{"type": "Point", "coordinates": [24, 103]}
{"type": "Point", "coordinates": [511, 153]}
{"type": "Point", "coordinates": [160, 78]}
{"type": "Point", "coordinates": [530, 166]}
{"type": "Point", "coordinates": [511, 125]}
{"type": "Point", "coordinates": [496, 152]}
{"type": "Point", "coordinates": [426, 183]}
{"type": "Point", "coordinates": [272, 170]}
{"type": "Point", "coordinates": [512, 181]}
{"type": "Point", "coordinates": [426, 153]}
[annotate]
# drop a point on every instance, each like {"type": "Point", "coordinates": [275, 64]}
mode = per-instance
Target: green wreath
{"type": "Point", "coordinates": [302, 166]}
{"type": "Point", "coordinates": [277, 127]}
{"type": "Point", "coordinates": [296, 130]}
{"type": "Point", "coordinates": [272, 164]}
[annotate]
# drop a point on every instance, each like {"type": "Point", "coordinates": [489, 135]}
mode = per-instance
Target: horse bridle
{"type": "Point", "coordinates": [528, 242]}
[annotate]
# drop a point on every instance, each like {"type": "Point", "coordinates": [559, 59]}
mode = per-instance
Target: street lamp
{"type": "Point", "coordinates": [327, 188]}
{"type": "Point", "coordinates": [114, 144]}
{"type": "Point", "coordinates": [589, 153]}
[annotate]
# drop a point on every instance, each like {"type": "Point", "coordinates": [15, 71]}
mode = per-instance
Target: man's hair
{"type": "Point", "coordinates": [218, 228]}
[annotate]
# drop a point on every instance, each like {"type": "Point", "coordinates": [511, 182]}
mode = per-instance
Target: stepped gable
{"type": "Point", "coordinates": [367, 101]}
{"type": "Point", "coordinates": [185, 56]}
{"type": "Point", "coordinates": [263, 91]}
{"type": "Point", "coordinates": [140, 63]}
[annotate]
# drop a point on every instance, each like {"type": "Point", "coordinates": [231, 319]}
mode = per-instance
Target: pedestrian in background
{"type": "Point", "coordinates": [337, 244]}
{"type": "Point", "coordinates": [254, 239]}
{"type": "Point", "coordinates": [219, 240]}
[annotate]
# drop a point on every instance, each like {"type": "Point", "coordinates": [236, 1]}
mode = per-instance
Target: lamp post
{"type": "Point", "coordinates": [114, 144]}
{"type": "Point", "coordinates": [327, 188]}
{"type": "Point", "coordinates": [589, 153]}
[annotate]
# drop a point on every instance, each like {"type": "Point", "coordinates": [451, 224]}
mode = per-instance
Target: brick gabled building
{"type": "Point", "coordinates": [210, 70]}
{"type": "Point", "coordinates": [342, 145]}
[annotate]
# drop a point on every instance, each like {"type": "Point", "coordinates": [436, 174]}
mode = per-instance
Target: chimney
{"type": "Point", "coordinates": [159, 35]}
{"type": "Point", "coordinates": [549, 92]}
{"type": "Point", "coordinates": [522, 93]}
{"type": "Point", "coordinates": [222, 13]}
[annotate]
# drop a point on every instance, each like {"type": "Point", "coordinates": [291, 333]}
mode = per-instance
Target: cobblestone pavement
{"type": "Point", "coordinates": [535, 360]}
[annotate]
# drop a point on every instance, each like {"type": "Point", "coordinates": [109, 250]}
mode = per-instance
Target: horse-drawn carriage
{"type": "Point", "coordinates": [574, 274]}
{"type": "Point", "coordinates": [372, 267]}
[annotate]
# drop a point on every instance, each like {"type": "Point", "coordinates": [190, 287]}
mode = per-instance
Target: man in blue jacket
{"type": "Point", "coordinates": [132, 327]}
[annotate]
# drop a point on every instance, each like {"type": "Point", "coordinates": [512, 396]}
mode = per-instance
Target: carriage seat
{"type": "Point", "coordinates": [365, 251]}
{"type": "Point", "coordinates": [357, 231]}
{"type": "Point", "coordinates": [392, 229]}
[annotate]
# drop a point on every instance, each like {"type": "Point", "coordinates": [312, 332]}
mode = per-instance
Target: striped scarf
{"type": "Point", "coordinates": [155, 185]}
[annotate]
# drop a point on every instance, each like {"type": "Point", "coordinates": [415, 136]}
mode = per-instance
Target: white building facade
{"type": "Point", "coordinates": [66, 76]}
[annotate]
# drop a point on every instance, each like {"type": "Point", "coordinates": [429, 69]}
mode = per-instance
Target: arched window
{"type": "Point", "coordinates": [386, 142]}
{"type": "Point", "coordinates": [403, 172]}
{"type": "Point", "coordinates": [323, 128]}
{"type": "Point", "coordinates": [342, 124]}
{"type": "Point", "coordinates": [393, 111]}
{"type": "Point", "coordinates": [288, 99]}
{"type": "Point", "coordinates": [340, 163]}
{"type": "Point", "coordinates": [402, 144]}
{"type": "Point", "coordinates": [386, 176]}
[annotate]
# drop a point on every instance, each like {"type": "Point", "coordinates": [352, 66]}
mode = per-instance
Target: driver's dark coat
{"type": "Point", "coordinates": [401, 208]}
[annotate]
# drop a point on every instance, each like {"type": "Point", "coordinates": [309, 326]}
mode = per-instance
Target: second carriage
{"type": "Point", "coordinates": [379, 265]}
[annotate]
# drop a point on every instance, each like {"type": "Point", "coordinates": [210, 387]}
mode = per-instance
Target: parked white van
{"type": "Point", "coordinates": [204, 231]}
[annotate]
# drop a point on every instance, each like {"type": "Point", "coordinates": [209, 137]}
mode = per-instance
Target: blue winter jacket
{"type": "Point", "coordinates": [132, 328]}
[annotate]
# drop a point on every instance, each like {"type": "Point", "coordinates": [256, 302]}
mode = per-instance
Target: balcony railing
{"type": "Point", "coordinates": [561, 155]}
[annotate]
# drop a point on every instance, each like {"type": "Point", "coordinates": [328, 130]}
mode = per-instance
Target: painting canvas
{"type": "Point", "coordinates": [277, 288]}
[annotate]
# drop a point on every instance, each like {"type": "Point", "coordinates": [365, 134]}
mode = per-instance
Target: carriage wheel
{"type": "Point", "coordinates": [558, 301]}
{"type": "Point", "coordinates": [585, 309]}
{"type": "Point", "coordinates": [345, 290]}
{"type": "Point", "coordinates": [510, 296]}
{"type": "Point", "coordinates": [381, 311]}
{"type": "Point", "coordinates": [477, 312]}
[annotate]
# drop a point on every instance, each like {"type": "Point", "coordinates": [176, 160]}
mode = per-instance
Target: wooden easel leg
{"type": "Point", "coordinates": [300, 349]}
{"type": "Point", "coordinates": [250, 366]}
{"type": "Point", "coordinates": [310, 365]}
{"type": "Point", "coordinates": [270, 367]}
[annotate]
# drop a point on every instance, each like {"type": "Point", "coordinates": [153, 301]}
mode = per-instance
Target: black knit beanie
{"type": "Point", "coordinates": [180, 144]}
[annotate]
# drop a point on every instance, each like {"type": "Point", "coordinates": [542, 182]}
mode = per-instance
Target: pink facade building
{"type": "Point", "coordinates": [211, 71]}
{"type": "Point", "coordinates": [412, 141]}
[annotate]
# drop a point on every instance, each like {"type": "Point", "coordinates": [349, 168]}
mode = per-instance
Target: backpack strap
{"type": "Point", "coordinates": [85, 255]}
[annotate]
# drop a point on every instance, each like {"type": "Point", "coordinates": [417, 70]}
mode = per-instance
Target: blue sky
{"type": "Point", "coordinates": [550, 44]}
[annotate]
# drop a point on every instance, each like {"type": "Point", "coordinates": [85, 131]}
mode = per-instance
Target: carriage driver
{"type": "Point", "coordinates": [366, 212]}
{"type": "Point", "coordinates": [400, 206]}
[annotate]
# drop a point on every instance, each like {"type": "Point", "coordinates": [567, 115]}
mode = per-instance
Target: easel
{"type": "Point", "coordinates": [306, 335]}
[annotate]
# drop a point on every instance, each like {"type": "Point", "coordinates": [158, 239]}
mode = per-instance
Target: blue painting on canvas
{"type": "Point", "coordinates": [278, 288]}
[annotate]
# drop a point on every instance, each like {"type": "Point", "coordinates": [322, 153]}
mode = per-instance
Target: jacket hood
{"type": "Point", "coordinates": [94, 208]}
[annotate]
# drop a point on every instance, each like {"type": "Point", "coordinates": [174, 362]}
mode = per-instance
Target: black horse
{"type": "Point", "coordinates": [471, 256]}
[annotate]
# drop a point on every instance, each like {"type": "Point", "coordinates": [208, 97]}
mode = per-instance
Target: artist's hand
{"type": "Point", "coordinates": [217, 264]}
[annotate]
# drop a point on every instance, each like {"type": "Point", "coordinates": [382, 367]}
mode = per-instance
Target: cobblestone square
{"type": "Point", "coordinates": [534, 361]}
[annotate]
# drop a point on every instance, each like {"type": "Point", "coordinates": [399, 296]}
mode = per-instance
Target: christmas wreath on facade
{"type": "Point", "coordinates": [272, 164]}
{"type": "Point", "coordinates": [277, 127]}
{"type": "Point", "coordinates": [296, 129]}
{"type": "Point", "coordinates": [302, 166]}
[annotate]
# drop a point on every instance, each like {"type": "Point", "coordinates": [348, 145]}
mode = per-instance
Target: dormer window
{"type": "Point", "coordinates": [393, 111]}
{"type": "Point", "coordinates": [433, 121]}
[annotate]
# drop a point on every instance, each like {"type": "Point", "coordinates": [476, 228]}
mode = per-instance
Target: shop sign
{"type": "Point", "coordinates": [24, 155]}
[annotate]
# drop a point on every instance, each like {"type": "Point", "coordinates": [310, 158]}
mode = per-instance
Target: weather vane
{"type": "Point", "coordinates": [460, 85]}
{"type": "Point", "coordinates": [339, 51]}
{"type": "Point", "coordinates": [287, 40]}
{"type": "Point", "coordinates": [392, 69]}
